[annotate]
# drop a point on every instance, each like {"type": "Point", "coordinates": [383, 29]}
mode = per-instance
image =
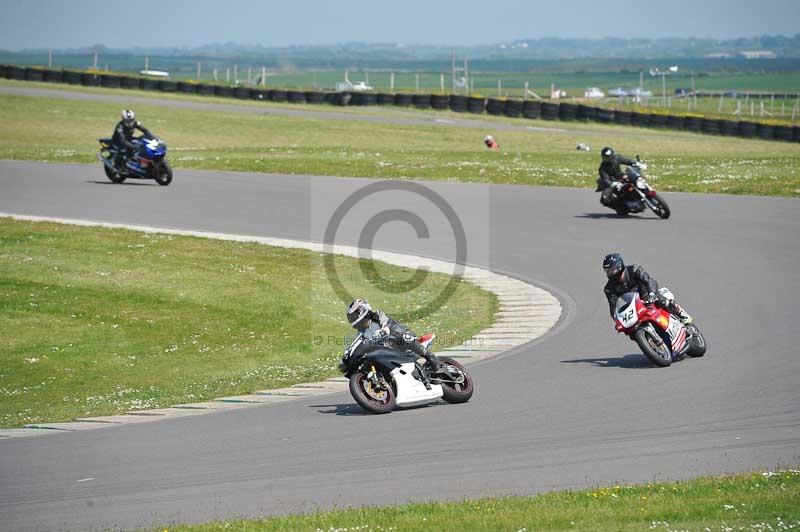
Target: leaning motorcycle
{"type": "Point", "coordinates": [149, 161]}
{"type": "Point", "coordinates": [383, 378]}
{"type": "Point", "coordinates": [659, 334]}
{"type": "Point", "coordinates": [633, 194]}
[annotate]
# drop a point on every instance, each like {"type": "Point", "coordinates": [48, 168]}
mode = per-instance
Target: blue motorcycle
{"type": "Point", "coordinates": [148, 161]}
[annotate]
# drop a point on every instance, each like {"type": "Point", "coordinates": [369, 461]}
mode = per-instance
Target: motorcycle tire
{"type": "Point", "coordinates": [697, 342]}
{"type": "Point", "coordinates": [164, 174]}
{"type": "Point", "coordinates": [369, 400]}
{"type": "Point", "coordinates": [648, 344]}
{"type": "Point", "coordinates": [114, 177]}
{"type": "Point", "coordinates": [456, 393]}
{"type": "Point", "coordinates": [661, 209]}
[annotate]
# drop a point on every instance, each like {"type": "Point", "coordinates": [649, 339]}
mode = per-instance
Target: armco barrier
{"type": "Point", "coordinates": [550, 111]}
{"type": "Point", "coordinates": [765, 131]}
{"type": "Point", "coordinates": [110, 81]}
{"type": "Point", "coordinates": [532, 109]}
{"type": "Point", "coordinates": [127, 82]}
{"type": "Point", "coordinates": [513, 108]}
{"type": "Point", "coordinates": [710, 126]}
{"type": "Point", "coordinates": [295, 96]}
{"type": "Point", "coordinates": [384, 98]}
{"type": "Point", "coordinates": [495, 106]}
{"type": "Point", "coordinates": [458, 103]}
{"type": "Point", "coordinates": [34, 74]}
{"type": "Point", "coordinates": [53, 76]}
{"type": "Point", "coordinates": [476, 104]}
{"type": "Point", "coordinates": [403, 99]}
{"type": "Point", "coordinates": [440, 102]}
{"type": "Point", "coordinates": [422, 101]}
{"type": "Point", "coordinates": [568, 111]}
{"type": "Point", "coordinates": [676, 122]}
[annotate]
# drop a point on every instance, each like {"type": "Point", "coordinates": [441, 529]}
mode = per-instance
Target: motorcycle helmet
{"type": "Point", "coordinates": [607, 154]}
{"type": "Point", "coordinates": [613, 265]}
{"type": "Point", "coordinates": [488, 140]}
{"type": "Point", "coordinates": [128, 118]}
{"type": "Point", "coordinates": [358, 312]}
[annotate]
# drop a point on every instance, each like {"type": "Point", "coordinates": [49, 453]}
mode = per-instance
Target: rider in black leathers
{"type": "Point", "coordinates": [623, 279]}
{"type": "Point", "coordinates": [361, 316]}
{"type": "Point", "coordinates": [123, 135]}
{"type": "Point", "coordinates": [610, 173]}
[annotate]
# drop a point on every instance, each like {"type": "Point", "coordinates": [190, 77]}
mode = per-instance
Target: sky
{"type": "Point", "coordinates": [27, 24]}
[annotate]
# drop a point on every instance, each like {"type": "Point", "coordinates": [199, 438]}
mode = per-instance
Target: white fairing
{"type": "Point", "coordinates": [626, 315]}
{"type": "Point", "coordinates": [410, 391]}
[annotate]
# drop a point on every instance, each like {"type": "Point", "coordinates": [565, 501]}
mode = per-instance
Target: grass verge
{"type": "Point", "coordinates": [61, 130]}
{"type": "Point", "coordinates": [100, 321]}
{"type": "Point", "coordinates": [768, 501]}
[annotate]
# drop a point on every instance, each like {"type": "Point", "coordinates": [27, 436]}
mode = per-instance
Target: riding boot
{"type": "Point", "coordinates": [684, 316]}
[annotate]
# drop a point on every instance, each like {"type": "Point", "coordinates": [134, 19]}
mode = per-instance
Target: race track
{"type": "Point", "coordinates": [578, 407]}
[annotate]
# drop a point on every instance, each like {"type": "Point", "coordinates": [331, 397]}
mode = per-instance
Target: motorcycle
{"type": "Point", "coordinates": [660, 335]}
{"type": "Point", "coordinates": [383, 378]}
{"type": "Point", "coordinates": [148, 162]}
{"type": "Point", "coordinates": [633, 193]}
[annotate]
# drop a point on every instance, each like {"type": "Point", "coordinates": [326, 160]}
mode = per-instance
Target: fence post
{"type": "Point", "coordinates": [417, 82]}
{"type": "Point", "coordinates": [391, 82]}
{"type": "Point", "coordinates": [441, 83]}
{"type": "Point", "coordinates": [197, 74]}
{"type": "Point", "coordinates": [263, 76]}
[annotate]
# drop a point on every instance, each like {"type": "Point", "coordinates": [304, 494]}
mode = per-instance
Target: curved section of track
{"type": "Point", "coordinates": [579, 407]}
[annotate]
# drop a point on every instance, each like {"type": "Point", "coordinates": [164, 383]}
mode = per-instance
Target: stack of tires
{"type": "Point", "coordinates": [586, 112]}
{"type": "Point", "coordinates": [622, 118]}
{"type": "Point", "coordinates": [110, 81]}
{"type": "Point", "coordinates": [550, 111]}
{"type": "Point", "coordinates": [384, 98]}
{"type": "Point", "coordinates": [710, 126]}
{"type": "Point", "coordinates": [422, 101]}
{"type": "Point", "coordinates": [495, 106]}
{"type": "Point", "coordinates": [765, 131]}
{"type": "Point", "coordinates": [187, 87]}
{"type": "Point", "coordinates": [404, 100]}
{"type": "Point", "coordinates": [568, 111]}
{"type": "Point", "coordinates": [440, 102]}
{"type": "Point", "coordinates": [747, 130]}
{"type": "Point", "coordinates": [54, 76]}
{"type": "Point", "coordinates": [639, 119]}
{"type": "Point", "coordinates": [295, 96]}
{"type": "Point", "coordinates": [127, 82]}
{"type": "Point", "coordinates": [223, 91]}
{"type": "Point", "coordinates": [605, 116]}
{"type": "Point", "coordinates": [784, 133]}
{"type": "Point", "coordinates": [513, 108]}
{"type": "Point", "coordinates": [34, 74]}
{"type": "Point", "coordinates": [243, 93]}
{"type": "Point", "coordinates": [277, 95]}
{"type": "Point", "coordinates": [315, 97]}
{"type": "Point", "coordinates": [476, 104]}
{"type": "Point", "coordinates": [72, 77]}
{"type": "Point", "coordinates": [676, 122]}
{"type": "Point", "coordinates": [694, 124]}
{"type": "Point", "coordinates": [89, 79]}
{"type": "Point", "coordinates": [532, 109]}
{"type": "Point", "coordinates": [458, 103]}
{"type": "Point", "coordinates": [205, 89]}
{"type": "Point", "coordinates": [658, 120]}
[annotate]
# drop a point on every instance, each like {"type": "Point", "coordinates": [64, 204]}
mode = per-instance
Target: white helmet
{"type": "Point", "coordinates": [128, 118]}
{"type": "Point", "coordinates": [488, 139]}
{"type": "Point", "coordinates": [357, 310]}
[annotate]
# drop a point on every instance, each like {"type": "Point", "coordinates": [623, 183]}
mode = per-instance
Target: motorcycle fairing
{"type": "Point", "coordinates": [410, 391]}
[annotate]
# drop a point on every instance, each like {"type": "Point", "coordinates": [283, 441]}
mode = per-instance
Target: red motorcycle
{"type": "Point", "coordinates": [660, 335]}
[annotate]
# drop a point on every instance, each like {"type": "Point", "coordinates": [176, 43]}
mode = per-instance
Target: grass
{"type": "Point", "coordinates": [768, 501]}
{"type": "Point", "coordinates": [60, 130]}
{"type": "Point", "coordinates": [100, 321]}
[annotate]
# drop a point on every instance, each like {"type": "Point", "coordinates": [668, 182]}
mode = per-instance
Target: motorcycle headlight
{"type": "Point", "coordinates": [641, 183]}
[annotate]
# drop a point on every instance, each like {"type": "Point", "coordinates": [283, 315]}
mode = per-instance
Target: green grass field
{"type": "Point", "coordinates": [60, 130]}
{"type": "Point", "coordinates": [767, 501]}
{"type": "Point", "coordinates": [100, 321]}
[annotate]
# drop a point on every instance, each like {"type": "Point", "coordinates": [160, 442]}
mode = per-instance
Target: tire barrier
{"type": "Point", "coordinates": [568, 111]}
{"type": "Point", "coordinates": [694, 124]}
{"type": "Point", "coordinates": [127, 82]}
{"type": "Point", "coordinates": [364, 98]}
{"type": "Point", "coordinates": [15, 72]}
{"type": "Point", "coordinates": [513, 108]}
{"type": "Point", "coordinates": [277, 95]}
{"type": "Point", "coordinates": [676, 122]}
{"type": "Point", "coordinates": [403, 99]}
{"type": "Point", "coordinates": [205, 89]}
{"type": "Point", "coordinates": [440, 102]}
{"type": "Point", "coordinates": [166, 85]}
{"type": "Point", "coordinates": [224, 92]}
{"type": "Point", "coordinates": [550, 111]}
{"type": "Point", "coordinates": [243, 93]}
{"type": "Point", "coordinates": [622, 118]}
{"type": "Point", "coordinates": [458, 103]}
{"type": "Point", "coordinates": [53, 76]}
{"type": "Point", "coordinates": [187, 88]}
{"type": "Point", "coordinates": [89, 79]}
{"type": "Point", "coordinates": [532, 109]}
{"type": "Point", "coordinates": [258, 94]}
{"type": "Point", "coordinates": [384, 98]}
{"type": "Point", "coordinates": [72, 77]}
{"type": "Point", "coordinates": [4, 71]}
{"type": "Point", "coordinates": [495, 106]}
{"type": "Point", "coordinates": [586, 112]}
{"type": "Point", "coordinates": [315, 97]}
{"type": "Point", "coordinates": [422, 101]}
{"type": "Point", "coordinates": [295, 96]}
{"type": "Point", "coordinates": [657, 120]}
{"type": "Point", "coordinates": [110, 81]}
{"type": "Point", "coordinates": [796, 134]}
{"type": "Point", "coordinates": [605, 116]}
{"type": "Point", "coordinates": [639, 119]}
{"type": "Point", "coordinates": [338, 98]}
{"type": "Point", "coordinates": [784, 133]}
{"type": "Point", "coordinates": [34, 74]}
{"type": "Point", "coordinates": [148, 84]}
{"type": "Point", "coordinates": [476, 104]}
{"type": "Point", "coordinates": [747, 129]}
{"type": "Point", "coordinates": [765, 131]}
{"type": "Point", "coordinates": [728, 128]}
{"type": "Point", "coordinates": [710, 126]}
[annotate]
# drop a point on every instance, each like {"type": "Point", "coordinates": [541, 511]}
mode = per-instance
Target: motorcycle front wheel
{"type": "Point", "coordinates": [374, 398]}
{"type": "Point", "coordinates": [658, 206]}
{"type": "Point", "coordinates": [697, 342]}
{"type": "Point", "coordinates": [457, 384]}
{"type": "Point", "coordinates": [653, 347]}
{"type": "Point", "coordinates": [163, 174]}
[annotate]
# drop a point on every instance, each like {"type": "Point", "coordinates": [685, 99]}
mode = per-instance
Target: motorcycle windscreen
{"type": "Point", "coordinates": [626, 310]}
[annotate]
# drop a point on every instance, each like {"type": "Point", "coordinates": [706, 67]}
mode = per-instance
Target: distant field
{"type": "Point", "coordinates": [66, 131]}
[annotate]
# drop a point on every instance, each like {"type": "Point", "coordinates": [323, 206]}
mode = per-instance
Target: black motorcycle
{"type": "Point", "coordinates": [148, 161]}
{"type": "Point", "coordinates": [633, 194]}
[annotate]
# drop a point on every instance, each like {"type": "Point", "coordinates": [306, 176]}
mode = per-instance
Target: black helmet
{"type": "Point", "coordinates": [613, 265]}
{"type": "Point", "coordinates": [358, 312]}
{"type": "Point", "coordinates": [607, 153]}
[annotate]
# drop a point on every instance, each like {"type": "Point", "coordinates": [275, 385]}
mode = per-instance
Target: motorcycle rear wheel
{"type": "Point", "coordinates": [454, 392]}
{"type": "Point", "coordinates": [114, 177]}
{"type": "Point", "coordinates": [370, 399]}
{"type": "Point", "coordinates": [659, 206]}
{"type": "Point", "coordinates": [653, 347]}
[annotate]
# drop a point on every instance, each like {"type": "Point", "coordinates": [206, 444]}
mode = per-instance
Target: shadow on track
{"type": "Point", "coordinates": [126, 183]}
{"type": "Point", "coordinates": [347, 409]}
{"type": "Point", "coordinates": [613, 216]}
{"type": "Point", "coordinates": [634, 361]}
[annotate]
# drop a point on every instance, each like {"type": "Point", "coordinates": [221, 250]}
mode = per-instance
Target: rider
{"type": "Point", "coordinates": [623, 279]}
{"type": "Point", "coordinates": [608, 182]}
{"type": "Point", "coordinates": [491, 143]}
{"type": "Point", "coordinates": [123, 134]}
{"type": "Point", "coordinates": [361, 316]}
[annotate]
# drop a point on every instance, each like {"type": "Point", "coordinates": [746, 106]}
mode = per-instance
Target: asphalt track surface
{"type": "Point", "coordinates": [580, 406]}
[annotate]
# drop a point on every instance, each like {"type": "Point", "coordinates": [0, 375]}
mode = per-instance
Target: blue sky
{"type": "Point", "coordinates": [67, 24]}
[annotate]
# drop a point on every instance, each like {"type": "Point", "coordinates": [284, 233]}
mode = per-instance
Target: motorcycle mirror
{"type": "Point", "coordinates": [637, 157]}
